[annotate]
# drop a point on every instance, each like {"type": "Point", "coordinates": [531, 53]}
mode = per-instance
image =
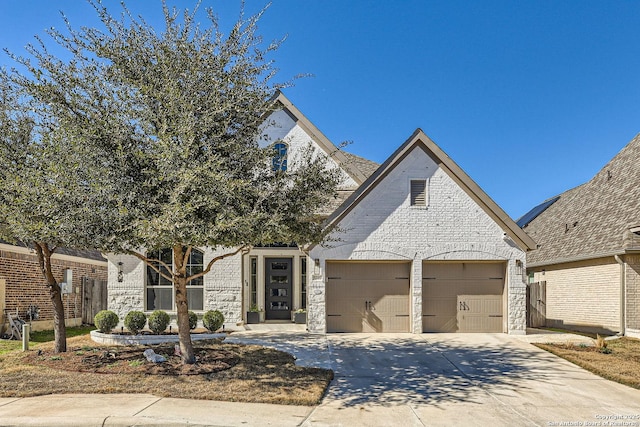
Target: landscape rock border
{"type": "Point", "coordinates": [117, 339]}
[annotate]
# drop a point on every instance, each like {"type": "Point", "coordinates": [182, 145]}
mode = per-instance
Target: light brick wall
{"type": "Point", "coordinates": [222, 286]}
{"type": "Point", "coordinates": [583, 295]}
{"type": "Point", "coordinates": [280, 126]}
{"type": "Point", "coordinates": [632, 298]}
{"type": "Point", "coordinates": [383, 226]}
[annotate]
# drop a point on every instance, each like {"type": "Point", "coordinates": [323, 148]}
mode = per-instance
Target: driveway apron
{"type": "Point", "coordinates": [464, 379]}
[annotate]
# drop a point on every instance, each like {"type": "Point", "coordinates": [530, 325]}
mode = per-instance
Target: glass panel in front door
{"type": "Point", "coordinates": [278, 282]}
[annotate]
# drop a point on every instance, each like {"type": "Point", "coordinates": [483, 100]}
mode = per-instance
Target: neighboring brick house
{"type": "Point", "coordinates": [419, 240]}
{"type": "Point", "coordinates": [22, 285]}
{"type": "Point", "coordinates": [589, 250]}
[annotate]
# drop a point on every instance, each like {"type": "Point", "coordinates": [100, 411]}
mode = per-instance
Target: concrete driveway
{"type": "Point", "coordinates": [381, 380]}
{"type": "Point", "coordinates": [464, 379]}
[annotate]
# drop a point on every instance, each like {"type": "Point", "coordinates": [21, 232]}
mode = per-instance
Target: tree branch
{"type": "Point", "coordinates": [150, 261]}
{"type": "Point", "coordinates": [218, 258]}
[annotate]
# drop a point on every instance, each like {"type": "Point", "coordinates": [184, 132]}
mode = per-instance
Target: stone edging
{"type": "Point", "coordinates": [116, 339]}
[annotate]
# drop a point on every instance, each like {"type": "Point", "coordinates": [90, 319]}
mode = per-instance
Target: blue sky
{"type": "Point", "coordinates": [530, 98]}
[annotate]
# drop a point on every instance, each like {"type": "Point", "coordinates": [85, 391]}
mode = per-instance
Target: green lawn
{"type": "Point", "coordinates": [42, 336]}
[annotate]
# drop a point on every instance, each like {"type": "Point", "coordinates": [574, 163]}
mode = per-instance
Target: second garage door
{"type": "Point", "coordinates": [367, 297]}
{"type": "Point", "coordinates": [462, 297]}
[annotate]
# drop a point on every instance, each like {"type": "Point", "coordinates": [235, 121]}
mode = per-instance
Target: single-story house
{"type": "Point", "coordinates": [23, 290]}
{"type": "Point", "coordinates": [587, 267]}
{"type": "Point", "coordinates": [420, 248]}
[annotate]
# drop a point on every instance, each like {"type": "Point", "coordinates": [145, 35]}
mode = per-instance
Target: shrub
{"type": "Point", "coordinates": [158, 321]}
{"type": "Point", "coordinates": [105, 320]}
{"type": "Point", "coordinates": [135, 321]}
{"type": "Point", "coordinates": [602, 345]}
{"type": "Point", "coordinates": [193, 320]}
{"type": "Point", "coordinates": [213, 320]}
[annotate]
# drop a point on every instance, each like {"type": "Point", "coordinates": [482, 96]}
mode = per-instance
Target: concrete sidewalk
{"type": "Point", "coordinates": [88, 410]}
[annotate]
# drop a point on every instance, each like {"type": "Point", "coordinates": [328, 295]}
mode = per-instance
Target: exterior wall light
{"type": "Point", "coordinates": [120, 273]}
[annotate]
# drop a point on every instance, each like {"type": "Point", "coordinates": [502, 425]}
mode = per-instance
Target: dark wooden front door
{"type": "Point", "coordinates": [278, 282]}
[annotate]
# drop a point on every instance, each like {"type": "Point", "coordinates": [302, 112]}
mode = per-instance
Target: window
{"type": "Point", "coordinates": [303, 281]}
{"type": "Point", "coordinates": [279, 161]}
{"type": "Point", "coordinates": [159, 290]}
{"type": "Point", "coordinates": [253, 279]}
{"type": "Point", "coordinates": [418, 192]}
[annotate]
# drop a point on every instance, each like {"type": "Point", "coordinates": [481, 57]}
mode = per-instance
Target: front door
{"type": "Point", "coordinates": [278, 283]}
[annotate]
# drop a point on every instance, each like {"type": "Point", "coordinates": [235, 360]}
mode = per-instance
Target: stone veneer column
{"type": "Point", "coordinates": [316, 299]}
{"type": "Point", "coordinates": [517, 299]}
{"type": "Point", "coordinates": [416, 296]}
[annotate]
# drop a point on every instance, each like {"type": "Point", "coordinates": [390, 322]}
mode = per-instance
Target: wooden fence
{"type": "Point", "coordinates": [536, 304]}
{"type": "Point", "coordinates": [94, 298]}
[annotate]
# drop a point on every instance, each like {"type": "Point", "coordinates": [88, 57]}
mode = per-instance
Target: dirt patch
{"type": "Point", "coordinates": [211, 356]}
{"type": "Point", "coordinates": [621, 362]}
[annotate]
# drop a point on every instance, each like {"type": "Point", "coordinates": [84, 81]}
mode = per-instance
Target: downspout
{"type": "Point", "coordinates": [623, 292]}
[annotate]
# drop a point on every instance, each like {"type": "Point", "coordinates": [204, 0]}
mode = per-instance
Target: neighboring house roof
{"type": "Point", "coordinates": [596, 219]}
{"type": "Point", "coordinates": [420, 140]}
{"type": "Point", "coordinates": [525, 219]}
{"type": "Point", "coordinates": [93, 255]}
{"type": "Point", "coordinates": [347, 162]}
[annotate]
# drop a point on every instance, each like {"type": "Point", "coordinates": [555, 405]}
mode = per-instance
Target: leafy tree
{"type": "Point", "coordinates": [44, 201]}
{"type": "Point", "coordinates": [169, 125]}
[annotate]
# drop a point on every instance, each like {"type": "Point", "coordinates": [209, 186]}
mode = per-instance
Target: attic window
{"type": "Point", "coordinates": [279, 160]}
{"type": "Point", "coordinates": [418, 192]}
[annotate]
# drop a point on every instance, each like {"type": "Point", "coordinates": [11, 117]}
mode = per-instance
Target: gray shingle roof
{"type": "Point", "coordinates": [593, 219]}
{"type": "Point", "coordinates": [367, 167]}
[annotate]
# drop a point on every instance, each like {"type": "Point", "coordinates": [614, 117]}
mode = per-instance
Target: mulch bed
{"type": "Point", "coordinates": [210, 358]}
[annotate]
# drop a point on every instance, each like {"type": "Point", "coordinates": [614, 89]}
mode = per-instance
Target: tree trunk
{"type": "Point", "coordinates": [59, 329]}
{"type": "Point", "coordinates": [182, 308]}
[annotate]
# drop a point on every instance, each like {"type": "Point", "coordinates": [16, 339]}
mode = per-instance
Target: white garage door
{"type": "Point", "coordinates": [367, 297]}
{"type": "Point", "coordinates": [462, 297]}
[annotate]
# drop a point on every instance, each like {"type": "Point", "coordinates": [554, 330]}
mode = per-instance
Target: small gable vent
{"type": "Point", "coordinates": [418, 192]}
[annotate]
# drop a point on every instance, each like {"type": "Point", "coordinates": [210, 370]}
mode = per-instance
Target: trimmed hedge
{"type": "Point", "coordinates": [193, 320]}
{"type": "Point", "coordinates": [105, 320]}
{"type": "Point", "coordinates": [158, 321]}
{"type": "Point", "coordinates": [213, 320]}
{"type": "Point", "coordinates": [135, 321]}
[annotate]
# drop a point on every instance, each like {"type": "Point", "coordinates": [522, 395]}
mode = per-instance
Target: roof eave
{"type": "Point", "coordinates": [583, 257]}
{"type": "Point", "coordinates": [327, 146]}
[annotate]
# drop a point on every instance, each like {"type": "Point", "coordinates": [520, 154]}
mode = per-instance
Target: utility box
{"type": "Point", "coordinates": [67, 281]}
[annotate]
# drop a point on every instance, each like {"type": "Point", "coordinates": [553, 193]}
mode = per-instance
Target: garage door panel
{"type": "Point", "coordinates": [479, 313]}
{"type": "Point", "coordinates": [439, 315]}
{"type": "Point", "coordinates": [482, 285]}
{"type": "Point", "coordinates": [368, 297]}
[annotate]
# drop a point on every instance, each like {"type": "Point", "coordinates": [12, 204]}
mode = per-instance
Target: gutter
{"type": "Point", "coordinates": [623, 291]}
{"type": "Point", "coordinates": [582, 258]}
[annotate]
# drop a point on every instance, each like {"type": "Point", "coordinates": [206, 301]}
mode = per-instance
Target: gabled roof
{"type": "Point", "coordinates": [420, 140]}
{"type": "Point", "coordinates": [593, 220]}
{"type": "Point", "coordinates": [345, 161]}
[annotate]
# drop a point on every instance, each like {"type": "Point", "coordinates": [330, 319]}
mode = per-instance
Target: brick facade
{"type": "Point", "coordinates": [632, 298]}
{"type": "Point", "coordinates": [583, 295]}
{"type": "Point", "coordinates": [25, 285]}
{"type": "Point", "coordinates": [222, 286]}
{"type": "Point", "coordinates": [451, 227]}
